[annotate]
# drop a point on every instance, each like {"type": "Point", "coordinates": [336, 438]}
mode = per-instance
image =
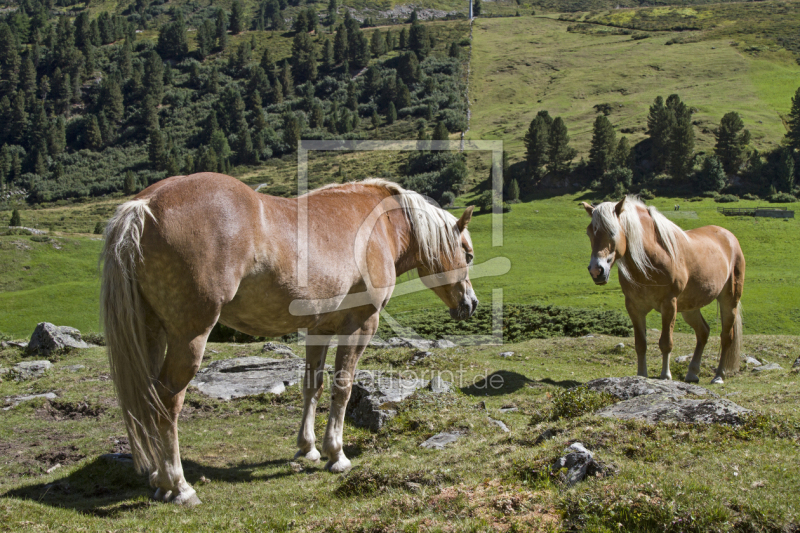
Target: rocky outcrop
{"type": "Point", "coordinates": [279, 349]}
{"type": "Point", "coordinates": [246, 376]}
{"type": "Point", "coordinates": [579, 464]}
{"type": "Point", "coordinates": [48, 338]}
{"type": "Point", "coordinates": [665, 401]}
{"type": "Point", "coordinates": [13, 401]}
{"type": "Point", "coordinates": [31, 369]}
{"type": "Point", "coordinates": [443, 439]}
{"type": "Point", "coordinates": [376, 394]}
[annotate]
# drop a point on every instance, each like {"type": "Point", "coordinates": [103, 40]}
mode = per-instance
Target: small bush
{"type": "Point", "coordinates": [448, 198]}
{"type": "Point", "coordinates": [782, 198]}
{"type": "Point", "coordinates": [646, 194]}
{"type": "Point", "coordinates": [750, 196]}
{"type": "Point", "coordinates": [40, 238]}
{"type": "Point", "coordinates": [574, 402]}
{"type": "Point", "coordinates": [94, 338]}
{"type": "Point", "coordinates": [726, 198]}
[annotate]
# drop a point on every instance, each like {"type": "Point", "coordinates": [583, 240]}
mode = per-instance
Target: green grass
{"type": "Point", "coordinates": [523, 65]}
{"type": "Point", "coordinates": [237, 454]}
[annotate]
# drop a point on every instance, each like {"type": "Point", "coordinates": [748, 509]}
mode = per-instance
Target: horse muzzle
{"type": "Point", "coordinates": [465, 309]}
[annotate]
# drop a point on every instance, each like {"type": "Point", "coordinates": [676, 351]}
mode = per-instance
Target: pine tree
{"type": "Point", "coordinates": [622, 155]}
{"type": "Point", "coordinates": [732, 141]}
{"type": "Point", "coordinates": [390, 43]}
{"type": "Point", "coordinates": [237, 22]}
{"type": "Point", "coordinates": [454, 51]}
{"type": "Point", "coordinates": [377, 44]}
{"type": "Point", "coordinates": [559, 153]}
{"type": "Point", "coordinates": [317, 115]}
{"type": "Point", "coordinates": [712, 174]}
{"type": "Point", "coordinates": [327, 55]}
{"type": "Point", "coordinates": [476, 8]}
{"type": "Point", "coordinates": [172, 43]}
{"type": "Point", "coordinates": [391, 115]}
{"type": "Point", "coordinates": [57, 137]}
{"type": "Point", "coordinates": [213, 81]}
{"type": "Point", "coordinates": [221, 27]}
{"type": "Point", "coordinates": [513, 191]}
{"type": "Point", "coordinates": [154, 77]}
{"type": "Point", "coordinates": [18, 126]}
{"type": "Point", "coordinates": [536, 145]}
{"type": "Point", "coordinates": [784, 174]}
{"type": "Point", "coordinates": [403, 95]}
{"type": "Point", "coordinates": [604, 144]}
{"type": "Point", "coordinates": [304, 58]}
{"type": "Point", "coordinates": [208, 162]}
{"type": "Point", "coordinates": [111, 100]}
{"type": "Point", "coordinates": [291, 130]}
{"type": "Point", "coordinates": [658, 130]}
{"type": "Point", "coordinates": [418, 40]}
{"type": "Point", "coordinates": [333, 12]}
{"type": "Point", "coordinates": [156, 150]}
{"type": "Point", "coordinates": [681, 137]}
{"type": "Point", "coordinates": [359, 52]}
{"type": "Point", "coordinates": [129, 183]}
{"type": "Point", "coordinates": [27, 78]}
{"type": "Point", "coordinates": [376, 119]}
{"type": "Point", "coordinates": [793, 135]}
{"type": "Point", "coordinates": [408, 67]}
{"type": "Point", "coordinates": [219, 143]}
{"type": "Point", "coordinates": [287, 81]}
{"type": "Point", "coordinates": [16, 220]}
{"type": "Point", "coordinates": [93, 137]}
{"type": "Point", "coordinates": [125, 60]}
{"type": "Point", "coordinates": [440, 133]}
{"type": "Point", "coordinates": [300, 23]}
{"type": "Point", "coordinates": [403, 39]}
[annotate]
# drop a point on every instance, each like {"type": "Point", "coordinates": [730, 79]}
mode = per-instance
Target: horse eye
{"type": "Point", "coordinates": [470, 257]}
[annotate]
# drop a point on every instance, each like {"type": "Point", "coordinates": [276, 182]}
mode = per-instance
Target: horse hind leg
{"type": "Point", "coordinates": [701, 329]}
{"type": "Point", "coordinates": [184, 355]}
{"type": "Point", "coordinates": [731, 340]}
{"type": "Point", "coordinates": [312, 389]}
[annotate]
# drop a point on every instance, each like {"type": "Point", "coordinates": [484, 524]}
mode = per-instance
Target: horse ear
{"type": "Point", "coordinates": [589, 208]}
{"type": "Point", "coordinates": [463, 222]}
{"type": "Point", "coordinates": [618, 208]}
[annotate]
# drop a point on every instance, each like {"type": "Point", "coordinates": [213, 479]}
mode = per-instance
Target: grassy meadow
{"type": "Point", "coordinates": [238, 454]}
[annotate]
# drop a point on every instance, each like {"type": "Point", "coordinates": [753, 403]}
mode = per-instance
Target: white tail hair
{"type": "Point", "coordinates": [730, 359]}
{"type": "Point", "coordinates": [122, 314]}
{"type": "Point", "coordinates": [628, 222]}
{"type": "Point", "coordinates": [434, 228]}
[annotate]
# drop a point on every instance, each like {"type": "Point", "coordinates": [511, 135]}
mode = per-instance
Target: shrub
{"type": "Point", "coordinates": [726, 198]}
{"type": "Point", "coordinates": [750, 196]}
{"type": "Point", "coordinates": [447, 198]}
{"type": "Point", "coordinates": [572, 403]}
{"type": "Point", "coordinates": [782, 198]}
{"type": "Point", "coordinates": [646, 194]}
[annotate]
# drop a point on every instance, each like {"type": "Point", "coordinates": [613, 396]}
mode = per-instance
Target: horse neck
{"type": "Point", "coordinates": [406, 250]}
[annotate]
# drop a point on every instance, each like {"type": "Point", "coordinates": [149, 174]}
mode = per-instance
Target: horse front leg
{"type": "Point", "coordinates": [701, 330]}
{"type": "Point", "coordinates": [351, 346]}
{"type": "Point", "coordinates": [669, 311]}
{"type": "Point", "coordinates": [312, 390]}
{"type": "Point", "coordinates": [639, 320]}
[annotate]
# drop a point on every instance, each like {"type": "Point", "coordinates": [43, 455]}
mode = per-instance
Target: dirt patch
{"type": "Point", "coordinates": [63, 456]}
{"type": "Point", "coordinates": [58, 411]}
{"type": "Point", "coordinates": [120, 445]}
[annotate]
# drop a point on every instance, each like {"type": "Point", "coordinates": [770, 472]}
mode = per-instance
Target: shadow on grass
{"type": "Point", "coordinates": [564, 384]}
{"type": "Point", "coordinates": [497, 383]}
{"type": "Point", "coordinates": [106, 489]}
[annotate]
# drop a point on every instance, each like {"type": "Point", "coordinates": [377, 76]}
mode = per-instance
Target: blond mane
{"type": "Point", "coordinates": [433, 228]}
{"type": "Point", "coordinates": [605, 218]}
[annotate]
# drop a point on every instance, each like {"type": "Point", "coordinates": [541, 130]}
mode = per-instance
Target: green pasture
{"type": "Point", "coordinates": [523, 65]}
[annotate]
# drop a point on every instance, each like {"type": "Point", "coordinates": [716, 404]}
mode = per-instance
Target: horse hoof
{"type": "Point", "coordinates": [162, 495]}
{"type": "Point", "coordinates": [187, 499]}
{"type": "Point", "coordinates": [692, 378]}
{"type": "Point", "coordinates": [666, 377]}
{"type": "Point", "coordinates": [313, 455]}
{"type": "Point", "coordinates": [717, 381]}
{"type": "Point", "coordinates": [338, 467]}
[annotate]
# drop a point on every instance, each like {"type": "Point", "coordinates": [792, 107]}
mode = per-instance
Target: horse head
{"type": "Point", "coordinates": [607, 238]}
{"type": "Point", "coordinates": [448, 274]}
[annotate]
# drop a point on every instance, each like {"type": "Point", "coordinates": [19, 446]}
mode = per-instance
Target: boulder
{"type": "Point", "coordinates": [661, 407]}
{"type": "Point", "coordinates": [500, 424]}
{"type": "Point", "coordinates": [796, 363]}
{"type": "Point", "coordinates": [14, 401]}
{"type": "Point", "coordinates": [633, 386]}
{"type": "Point", "coordinates": [661, 401]}
{"type": "Point", "coordinates": [579, 463]}
{"type": "Point", "coordinates": [48, 338]}
{"type": "Point", "coordinates": [752, 361]}
{"type": "Point", "coordinates": [767, 368]}
{"type": "Point", "coordinates": [31, 369]}
{"type": "Point", "coordinates": [375, 396]}
{"type": "Point", "coordinates": [280, 349]}
{"type": "Point", "coordinates": [438, 385]}
{"type": "Point", "coordinates": [444, 343]}
{"type": "Point", "coordinates": [74, 368]}
{"type": "Point", "coordinates": [247, 376]}
{"type": "Point", "coordinates": [416, 343]}
{"type": "Point", "coordinates": [440, 440]}
{"type": "Point", "coordinates": [507, 354]}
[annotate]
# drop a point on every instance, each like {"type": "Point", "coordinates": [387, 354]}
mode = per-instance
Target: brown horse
{"type": "Point", "coordinates": [193, 250]}
{"type": "Point", "coordinates": [670, 270]}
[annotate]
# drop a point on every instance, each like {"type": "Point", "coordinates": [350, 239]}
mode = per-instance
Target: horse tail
{"type": "Point", "coordinates": [731, 358]}
{"type": "Point", "coordinates": [122, 313]}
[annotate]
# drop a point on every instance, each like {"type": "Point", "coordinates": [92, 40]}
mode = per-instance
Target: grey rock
{"type": "Point", "coordinates": [22, 344]}
{"type": "Point", "coordinates": [13, 401]}
{"type": "Point", "coordinates": [634, 386]}
{"type": "Point", "coordinates": [246, 376]}
{"type": "Point", "coordinates": [500, 424]}
{"type": "Point", "coordinates": [796, 363]}
{"type": "Point", "coordinates": [440, 440]}
{"type": "Point", "coordinates": [444, 343]}
{"type": "Point", "coordinates": [660, 407]}
{"type": "Point", "coordinates": [683, 359]}
{"type": "Point", "coordinates": [419, 356]}
{"type": "Point", "coordinates": [48, 338]}
{"type": "Point", "coordinates": [375, 395]}
{"type": "Point", "coordinates": [508, 409]}
{"type": "Point", "coordinates": [74, 368]}
{"type": "Point", "coordinates": [4, 370]}
{"type": "Point", "coordinates": [377, 342]}
{"type": "Point", "coordinates": [438, 385]}
{"type": "Point", "coordinates": [507, 354]}
{"type": "Point", "coordinates": [578, 461]}
{"type": "Point", "coordinates": [31, 369]}
{"type": "Point", "coordinates": [123, 458]}
{"type": "Point", "coordinates": [417, 343]}
{"type": "Point", "coordinates": [752, 361]}
{"type": "Point", "coordinates": [620, 346]}
{"type": "Point", "coordinates": [545, 435]}
{"type": "Point", "coordinates": [766, 368]}
{"type": "Point", "coordinates": [280, 349]}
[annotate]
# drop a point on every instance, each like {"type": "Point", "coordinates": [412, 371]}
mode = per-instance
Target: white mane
{"type": "Point", "coordinates": [604, 217]}
{"type": "Point", "coordinates": [433, 228]}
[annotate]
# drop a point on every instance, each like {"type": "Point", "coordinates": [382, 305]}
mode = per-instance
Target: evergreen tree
{"type": "Point", "coordinates": [205, 37]}
{"type": "Point", "coordinates": [287, 81]}
{"type": "Point", "coordinates": [300, 23]}
{"type": "Point", "coordinates": [129, 183]}
{"type": "Point", "coordinates": [291, 130]}
{"type": "Point", "coordinates": [784, 174]}
{"type": "Point", "coordinates": [454, 51]}
{"type": "Point", "coordinates": [732, 141]}
{"type": "Point", "coordinates": [681, 137]}
{"type": "Point", "coordinates": [376, 119]}
{"type": "Point", "coordinates": [317, 115]}
{"type": "Point", "coordinates": [154, 77]}
{"type": "Point", "coordinates": [27, 78]}
{"type": "Point", "coordinates": [391, 115]}
{"type": "Point", "coordinates": [390, 43]}
{"type": "Point", "coordinates": [312, 20]}
{"type": "Point", "coordinates": [403, 95]}
{"type": "Point", "coordinates": [16, 220]}
{"type": "Point", "coordinates": [403, 44]}
{"type": "Point", "coordinates": [536, 145]}
{"type": "Point", "coordinates": [622, 155]}
{"type": "Point", "coordinates": [277, 22]}
{"type": "Point", "coordinates": [377, 44]}
{"type": "Point", "coordinates": [222, 29]}
{"type": "Point", "coordinates": [658, 125]}
{"type": "Point", "coordinates": [219, 143]}
{"type": "Point", "coordinates": [57, 138]}
{"type": "Point", "coordinates": [327, 55]}
{"type": "Point", "coordinates": [93, 137]}
{"type": "Point", "coordinates": [172, 43]}
{"type": "Point", "coordinates": [237, 22]}
{"type": "Point", "coordinates": [513, 191]}
{"type": "Point", "coordinates": [440, 133]}
{"type": "Point", "coordinates": [18, 126]}
{"type": "Point", "coordinates": [559, 153]}
{"type": "Point", "coordinates": [604, 144]}
{"type": "Point", "coordinates": [793, 120]}
{"type": "Point", "coordinates": [110, 99]}
{"type": "Point", "coordinates": [208, 162]}
{"type": "Point", "coordinates": [213, 81]}
{"type": "Point", "coordinates": [476, 8]}
{"type": "Point", "coordinates": [304, 58]}
{"type": "Point", "coordinates": [712, 174]}
{"type": "Point", "coordinates": [359, 51]}
{"type": "Point", "coordinates": [156, 150]}
{"type": "Point", "coordinates": [408, 68]}
{"type": "Point", "coordinates": [125, 60]}
{"type": "Point", "coordinates": [267, 63]}
{"type": "Point", "coordinates": [418, 40]}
